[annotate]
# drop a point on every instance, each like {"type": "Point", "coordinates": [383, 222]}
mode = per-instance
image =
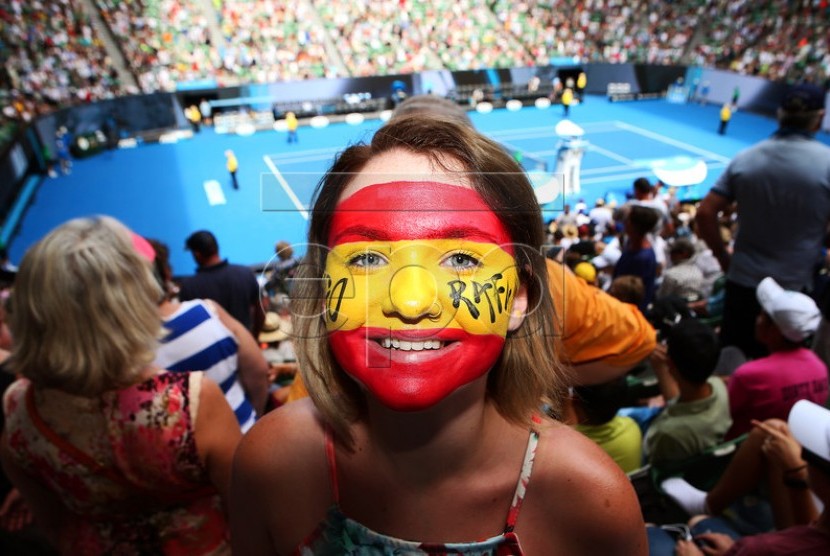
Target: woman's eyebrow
{"type": "Point", "coordinates": [468, 232]}
{"type": "Point", "coordinates": [358, 232]}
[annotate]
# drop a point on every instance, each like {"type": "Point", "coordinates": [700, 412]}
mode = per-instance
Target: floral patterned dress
{"type": "Point", "coordinates": [339, 535]}
{"type": "Point", "coordinates": [136, 484]}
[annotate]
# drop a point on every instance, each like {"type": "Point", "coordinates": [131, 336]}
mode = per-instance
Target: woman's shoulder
{"type": "Point", "coordinates": [284, 449]}
{"type": "Point", "coordinates": [280, 476]}
{"type": "Point", "coordinates": [14, 397]}
{"type": "Point", "coordinates": [568, 457]}
{"type": "Point", "coordinates": [576, 485]}
{"type": "Point", "coordinates": [296, 425]}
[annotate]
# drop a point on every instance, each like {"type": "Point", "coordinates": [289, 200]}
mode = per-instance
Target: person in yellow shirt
{"type": "Point", "coordinates": [581, 83]}
{"type": "Point", "coordinates": [291, 124]}
{"type": "Point", "coordinates": [725, 116]}
{"type": "Point", "coordinates": [567, 99]}
{"type": "Point", "coordinates": [194, 116]}
{"type": "Point", "coordinates": [232, 165]}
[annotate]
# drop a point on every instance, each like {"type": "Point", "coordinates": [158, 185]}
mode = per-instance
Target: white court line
{"type": "Point", "coordinates": [675, 142]}
{"type": "Point", "coordinates": [215, 195]}
{"type": "Point", "coordinates": [285, 187]}
{"type": "Point", "coordinates": [612, 155]}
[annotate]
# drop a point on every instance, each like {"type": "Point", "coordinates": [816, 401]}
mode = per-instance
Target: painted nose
{"type": "Point", "coordinates": [413, 293]}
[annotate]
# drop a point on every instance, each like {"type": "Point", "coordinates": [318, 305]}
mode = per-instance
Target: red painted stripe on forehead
{"type": "Point", "coordinates": [402, 210]}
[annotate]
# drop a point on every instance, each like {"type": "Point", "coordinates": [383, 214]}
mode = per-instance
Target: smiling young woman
{"type": "Point", "coordinates": [424, 335]}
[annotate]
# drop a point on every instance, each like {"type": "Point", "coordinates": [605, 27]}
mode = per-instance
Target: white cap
{"type": "Point", "coordinates": [810, 425]}
{"type": "Point", "coordinates": [608, 257]}
{"type": "Point", "coordinates": [796, 314]}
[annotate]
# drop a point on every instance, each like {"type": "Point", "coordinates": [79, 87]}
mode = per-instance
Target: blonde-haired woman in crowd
{"type": "Point", "coordinates": [427, 370]}
{"type": "Point", "coordinates": [113, 454]}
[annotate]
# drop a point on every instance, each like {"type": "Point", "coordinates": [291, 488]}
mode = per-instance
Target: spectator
{"type": "Point", "coordinates": [602, 217]}
{"type": "Point", "coordinates": [782, 183]}
{"type": "Point", "coordinates": [438, 426]}
{"type": "Point", "coordinates": [108, 450]}
{"type": "Point", "coordinates": [646, 195]}
{"type": "Point", "coordinates": [638, 257]}
{"type": "Point", "coordinates": [595, 408]}
{"type": "Point", "coordinates": [284, 269]}
{"type": "Point", "coordinates": [696, 415]}
{"type": "Point", "coordinates": [605, 263]}
{"type": "Point", "coordinates": [767, 388]}
{"type": "Point", "coordinates": [683, 278]}
{"type": "Point", "coordinates": [798, 458]}
{"type": "Point", "coordinates": [202, 336]}
{"type": "Point", "coordinates": [628, 289]}
{"type": "Point", "coordinates": [233, 286]}
{"type": "Point", "coordinates": [567, 218]}
{"type": "Point", "coordinates": [601, 337]}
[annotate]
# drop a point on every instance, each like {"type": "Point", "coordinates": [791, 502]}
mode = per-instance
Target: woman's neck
{"type": "Point", "coordinates": [438, 441]}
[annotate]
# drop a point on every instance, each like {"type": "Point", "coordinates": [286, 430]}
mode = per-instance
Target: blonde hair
{"type": "Point", "coordinates": [83, 311]}
{"type": "Point", "coordinates": [528, 373]}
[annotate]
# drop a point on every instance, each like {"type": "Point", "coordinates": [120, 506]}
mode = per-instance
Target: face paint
{"type": "Point", "coordinates": [418, 303]}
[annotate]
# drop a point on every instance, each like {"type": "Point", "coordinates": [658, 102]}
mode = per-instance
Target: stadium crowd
{"type": "Point", "coordinates": [682, 336]}
{"type": "Point", "coordinates": [51, 58]}
{"type": "Point", "coordinates": [52, 55]}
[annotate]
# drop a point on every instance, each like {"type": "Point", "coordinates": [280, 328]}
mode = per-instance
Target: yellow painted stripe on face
{"type": "Point", "coordinates": [420, 284]}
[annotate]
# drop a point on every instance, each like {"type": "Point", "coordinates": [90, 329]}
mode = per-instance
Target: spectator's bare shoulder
{"type": "Point", "coordinates": [280, 480]}
{"type": "Point", "coordinates": [577, 489]}
{"type": "Point", "coordinates": [284, 439]}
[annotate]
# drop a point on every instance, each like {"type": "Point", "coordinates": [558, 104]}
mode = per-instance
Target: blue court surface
{"type": "Point", "coordinates": [168, 190]}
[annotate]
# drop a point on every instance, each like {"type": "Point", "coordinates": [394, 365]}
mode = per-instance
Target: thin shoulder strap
{"type": "Point", "coordinates": [332, 464]}
{"type": "Point", "coordinates": [524, 479]}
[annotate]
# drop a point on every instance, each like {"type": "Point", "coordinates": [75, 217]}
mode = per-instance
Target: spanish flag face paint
{"type": "Point", "coordinates": [418, 302]}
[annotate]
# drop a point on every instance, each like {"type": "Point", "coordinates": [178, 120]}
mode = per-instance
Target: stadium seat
{"type": "Point", "coordinates": [702, 470]}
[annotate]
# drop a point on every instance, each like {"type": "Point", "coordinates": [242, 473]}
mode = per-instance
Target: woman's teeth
{"type": "Point", "coordinates": [405, 345]}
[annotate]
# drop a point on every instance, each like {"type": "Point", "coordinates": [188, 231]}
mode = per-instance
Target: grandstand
{"type": "Point", "coordinates": [93, 97]}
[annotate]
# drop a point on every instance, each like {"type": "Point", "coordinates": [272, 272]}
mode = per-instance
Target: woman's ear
{"type": "Point", "coordinates": [519, 309]}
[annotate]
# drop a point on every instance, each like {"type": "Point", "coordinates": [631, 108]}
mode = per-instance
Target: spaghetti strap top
{"type": "Point", "coordinates": [340, 535]}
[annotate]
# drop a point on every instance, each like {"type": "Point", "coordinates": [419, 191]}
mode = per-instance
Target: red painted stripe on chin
{"type": "Point", "coordinates": [414, 380]}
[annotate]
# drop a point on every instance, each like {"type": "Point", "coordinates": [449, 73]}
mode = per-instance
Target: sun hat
{"type": "Point", "coordinates": [274, 329]}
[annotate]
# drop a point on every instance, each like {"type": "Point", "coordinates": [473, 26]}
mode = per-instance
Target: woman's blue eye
{"type": "Point", "coordinates": [462, 261]}
{"type": "Point", "coordinates": [365, 260]}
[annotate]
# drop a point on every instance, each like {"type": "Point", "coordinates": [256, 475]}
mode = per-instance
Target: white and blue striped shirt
{"type": "Point", "coordinates": [198, 341]}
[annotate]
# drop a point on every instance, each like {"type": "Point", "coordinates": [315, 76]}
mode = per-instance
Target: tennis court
{"type": "Point", "coordinates": [168, 190]}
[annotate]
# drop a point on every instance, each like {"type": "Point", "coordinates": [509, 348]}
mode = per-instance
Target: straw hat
{"type": "Point", "coordinates": [274, 329]}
